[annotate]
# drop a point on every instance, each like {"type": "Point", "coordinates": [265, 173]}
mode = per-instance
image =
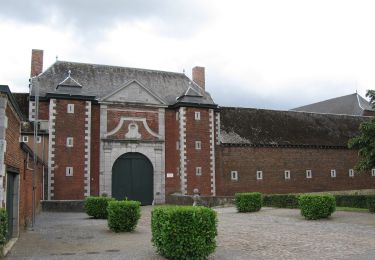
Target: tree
{"type": "Point", "coordinates": [365, 142]}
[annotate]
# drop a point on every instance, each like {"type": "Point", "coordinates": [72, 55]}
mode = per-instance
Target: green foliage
{"type": "Point", "coordinates": [371, 203]}
{"type": "Point", "coordinates": [123, 215]}
{"type": "Point", "coordinates": [3, 226]}
{"type": "Point", "coordinates": [289, 201]}
{"type": "Point", "coordinates": [184, 232]}
{"type": "Point", "coordinates": [248, 201]}
{"type": "Point", "coordinates": [317, 206]}
{"type": "Point", "coordinates": [96, 207]}
{"type": "Point", "coordinates": [353, 201]}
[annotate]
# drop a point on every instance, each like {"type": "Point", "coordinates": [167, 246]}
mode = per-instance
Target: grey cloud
{"type": "Point", "coordinates": [177, 18]}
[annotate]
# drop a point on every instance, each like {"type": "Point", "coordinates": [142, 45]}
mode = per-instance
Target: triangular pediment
{"type": "Point", "coordinates": [134, 92]}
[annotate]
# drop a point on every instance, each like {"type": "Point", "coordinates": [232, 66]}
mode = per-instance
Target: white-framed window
{"type": "Point", "coordinates": [198, 145]}
{"type": "Point", "coordinates": [234, 175]}
{"type": "Point", "coordinates": [177, 145]}
{"type": "Point", "coordinates": [197, 115]}
{"type": "Point", "coordinates": [69, 171]}
{"type": "Point", "coordinates": [259, 175]}
{"type": "Point", "coordinates": [25, 138]}
{"type": "Point", "coordinates": [308, 174]}
{"type": "Point", "coordinates": [38, 139]}
{"type": "Point", "coordinates": [333, 173]}
{"type": "Point", "coordinates": [69, 142]}
{"type": "Point", "coordinates": [287, 174]}
{"type": "Point", "coordinates": [198, 171]}
{"type": "Point", "coordinates": [373, 172]}
{"type": "Point", "coordinates": [70, 109]}
{"type": "Point", "coordinates": [351, 173]}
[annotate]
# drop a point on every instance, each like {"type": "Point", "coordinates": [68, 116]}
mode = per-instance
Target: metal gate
{"type": "Point", "coordinates": [132, 178]}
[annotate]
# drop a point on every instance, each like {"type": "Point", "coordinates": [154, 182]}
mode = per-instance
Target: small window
{"type": "Point", "coordinates": [70, 108]}
{"type": "Point", "coordinates": [198, 171]}
{"type": "Point", "coordinates": [69, 171]}
{"type": "Point", "coordinates": [373, 172]}
{"type": "Point", "coordinates": [308, 174]}
{"type": "Point", "coordinates": [259, 175]}
{"type": "Point", "coordinates": [287, 175]}
{"type": "Point", "coordinates": [69, 141]}
{"type": "Point", "coordinates": [351, 173]}
{"type": "Point", "coordinates": [198, 145]}
{"type": "Point", "coordinates": [177, 145]}
{"type": "Point", "coordinates": [25, 138]}
{"type": "Point", "coordinates": [38, 139]}
{"type": "Point", "coordinates": [333, 173]}
{"type": "Point", "coordinates": [234, 175]}
{"type": "Point", "coordinates": [197, 115]}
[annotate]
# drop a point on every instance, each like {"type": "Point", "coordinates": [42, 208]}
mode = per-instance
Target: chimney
{"type": "Point", "coordinates": [36, 62]}
{"type": "Point", "coordinates": [198, 76]}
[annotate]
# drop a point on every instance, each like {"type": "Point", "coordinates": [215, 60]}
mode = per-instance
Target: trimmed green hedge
{"type": "Point", "coordinates": [96, 207]}
{"type": "Point", "coordinates": [184, 232]}
{"type": "Point", "coordinates": [123, 215]}
{"type": "Point", "coordinates": [289, 201]}
{"type": "Point", "coordinates": [248, 201]}
{"type": "Point", "coordinates": [3, 226]}
{"type": "Point", "coordinates": [317, 206]}
{"type": "Point", "coordinates": [371, 203]}
{"type": "Point", "coordinates": [352, 201]}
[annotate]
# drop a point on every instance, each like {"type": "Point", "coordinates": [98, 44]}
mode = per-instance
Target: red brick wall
{"type": "Point", "coordinates": [172, 154]}
{"type": "Point", "coordinates": [274, 161]}
{"type": "Point", "coordinates": [69, 125]}
{"type": "Point", "coordinates": [198, 130]}
{"type": "Point", "coordinates": [44, 110]}
{"type": "Point", "coordinates": [114, 116]}
{"type": "Point", "coordinates": [95, 149]}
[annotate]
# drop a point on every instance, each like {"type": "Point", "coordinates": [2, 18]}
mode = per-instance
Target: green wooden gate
{"type": "Point", "coordinates": [10, 203]}
{"type": "Point", "coordinates": [132, 178]}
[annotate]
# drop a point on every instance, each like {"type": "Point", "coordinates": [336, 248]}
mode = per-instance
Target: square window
{"type": "Point", "coordinates": [38, 139]}
{"type": "Point", "coordinates": [198, 145]}
{"type": "Point", "coordinates": [287, 175]}
{"type": "Point", "coordinates": [259, 175]}
{"type": "Point", "coordinates": [351, 173]}
{"type": "Point", "coordinates": [69, 171]}
{"type": "Point", "coordinates": [25, 138]}
{"type": "Point", "coordinates": [69, 141]}
{"type": "Point", "coordinates": [373, 172]}
{"type": "Point", "coordinates": [308, 174]}
{"type": "Point", "coordinates": [333, 173]}
{"type": "Point", "coordinates": [234, 175]}
{"type": "Point", "coordinates": [198, 171]}
{"type": "Point", "coordinates": [197, 115]}
{"type": "Point", "coordinates": [70, 108]}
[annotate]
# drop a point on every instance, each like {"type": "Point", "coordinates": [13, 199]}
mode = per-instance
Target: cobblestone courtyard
{"type": "Point", "coordinates": [268, 234]}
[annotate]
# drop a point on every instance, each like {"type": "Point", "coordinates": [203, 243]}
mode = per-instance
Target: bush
{"type": "Point", "coordinates": [3, 226]}
{"type": "Point", "coordinates": [96, 207]}
{"type": "Point", "coordinates": [123, 215]}
{"type": "Point", "coordinates": [184, 232]}
{"type": "Point", "coordinates": [371, 203]}
{"type": "Point", "coordinates": [248, 201]}
{"type": "Point", "coordinates": [317, 206]}
{"type": "Point", "coordinates": [289, 201]}
{"type": "Point", "coordinates": [352, 201]}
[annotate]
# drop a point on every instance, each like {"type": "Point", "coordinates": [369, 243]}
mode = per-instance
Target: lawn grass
{"type": "Point", "coordinates": [351, 209]}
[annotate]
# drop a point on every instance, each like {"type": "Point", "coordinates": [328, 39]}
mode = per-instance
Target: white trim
{"type": "Point", "coordinates": [70, 109]}
{"type": "Point", "coordinates": [198, 171]}
{"type": "Point", "coordinates": [351, 173]}
{"type": "Point", "coordinates": [198, 145]}
{"type": "Point", "coordinates": [69, 171]}
{"type": "Point", "coordinates": [25, 138]}
{"type": "Point", "coordinates": [259, 175]}
{"type": "Point", "coordinates": [197, 115]}
{"type": "Point", "coordinates": [333, 173]}
{"type": "Point", "coordinates": [218, 133]}
{"type": "Point", "coordinates": [287, 175]}
{"type": "Point", "coordinates": [69, 142]}
{"type": "Point", "coordinates": [182, 129]}
{"type": "Point", "coordinates": [212, 151]}
{"type": "Point", "coordinates": [138, 119]}
{"type": "Point", "coordinates": [373, 172]}
{"type": "Point", "coordinates": [87, 174]}
{"type": "Point", "coordinates": [234, 175]}
{"type": "Point", "coordinates": [308, 174]}
{"type": "Point", "coordinates": [51, 147]}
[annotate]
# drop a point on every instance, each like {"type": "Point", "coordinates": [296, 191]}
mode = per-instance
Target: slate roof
{"type": "Point", "coordinates": [352, 104]}
{"type": "Point", "coordinates": [261, 127]}
{"type": "Point", "coordinates": [100, 80]}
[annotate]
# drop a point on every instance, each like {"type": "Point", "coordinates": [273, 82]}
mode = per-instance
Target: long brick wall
{"type": "Point", "coordinates": [273, 162]}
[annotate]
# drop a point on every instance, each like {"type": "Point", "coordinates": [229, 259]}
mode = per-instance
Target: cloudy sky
{"type": "Point", "coordinates": [267, 53]}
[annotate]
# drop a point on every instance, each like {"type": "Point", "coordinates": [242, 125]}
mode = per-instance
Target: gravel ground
{"type": "Point", "coordinates": [268, 234]}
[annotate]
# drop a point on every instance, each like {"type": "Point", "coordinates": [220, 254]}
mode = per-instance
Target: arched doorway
{"type": "Point", "coordinates": [132, 178]}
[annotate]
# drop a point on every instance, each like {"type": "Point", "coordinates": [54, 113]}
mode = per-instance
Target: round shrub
{"type": "Point", "coordinates": [371, 203]}
{"type": "Point", "coordinates": [123, 215]}
{"type": "Point", "coordinates": [248, 201]}
{"type": "Point", "coordinates": [317, 206]}
{"type": "Point", "coordinates": [96, 207]}
{"type": "Point", "coordinates": [184, 232]}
